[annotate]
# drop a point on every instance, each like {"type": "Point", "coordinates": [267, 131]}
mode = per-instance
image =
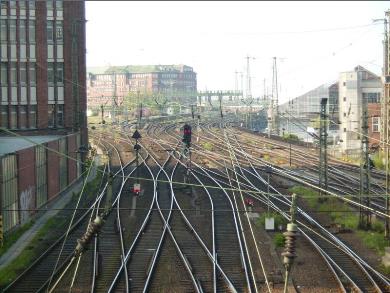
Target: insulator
{"type": "Point", "coordinates": [289, 250]}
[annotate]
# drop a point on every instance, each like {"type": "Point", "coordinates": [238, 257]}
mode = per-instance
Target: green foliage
{"type": "Point", "coordinates": [279, 239]}
{"type": "Point", "coordinates": [21, 262]}
{"type": "Point", "coordinates": [290, 137]}
{"type": "Point", "coordinates": [310, 196]}
{"type": "Point", "coordinates": [373, 240]}
{"type": "Point", "coordinates": [377, 158]}
{"type": "Point", "coordinates": [208, 146]}
{"type": "Point", "coordinates": [11, 238]}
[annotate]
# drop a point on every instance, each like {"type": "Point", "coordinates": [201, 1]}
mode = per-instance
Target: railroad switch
{"type": "Point", "coordinates": [93, 228]}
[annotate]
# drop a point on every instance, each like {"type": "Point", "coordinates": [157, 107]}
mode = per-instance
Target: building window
{"type": "Point", "coordinates": [50, 72]}
{"type": "Point", "coordinates": [344, 83]}
{"type": "Point", "coordinates": [31, 31]}
{"type": "Point", "coordinates": [33, 95]}
{"type": "Point", "coordinates": [50, 31]}
{"type": "Point", "coordinates": [59, 31]}
{"type": "Point", "coordinates": [50, 52]}
{"type": "Point", "coordinates": [23, 116]}
{"type": "Point", "coordinates": [22, 8]}
{"type": "Point", "coordinates": [345, 114]}
{"type": "Point", "coordinates": [22, 52]}
{"type": "Point", "coordinates": [60, 73]}
{"type": "Point", "coordinates": [41, 175]}
{"type": "Point", "coordinates": [12, 30]}
{"type": "Point", "coordinates": [4, 6]}
{"type": "Point", "coordinates": [60, 51]}
{"type": "Point", "coordinates": [33, 77]}
{"type": "Point", "coordinates": [4, 116]}
{"type": "Point", "coordinates": [60, 115]}
{"type": "Point", "coordinates": [50, 115]}
{"type": "Point", "coordinates": [12, 5]}
{"type": "Point", "coordinates": [372, 97]}
{"type": "Point", "coordinates": [31, 7]}
{"type": "Point", "coordinates": [14, 73]}
{"type": "Point", "coordinates": [50, 94]}
{"type": "Point", "coordinates": [60, 94]}
{"type": "Point", "coordinates": [345, 99]}
{"type": "Point", "coordinates": [23, 72]}
{"type": "Point", "coordinates": [345, 129]}
{"type": "Point", "coordinates": [13, 122]}
{"type": "Point", "coordinates": [32, 52]}
{"type": "Point", "coordinates": [33, 116]}
{"type": "Point", "coordinates": [3, 52]}
{"type": "Point", "coordinates": [375, 124]}
{"type": "Point", "coordinates": [3, 29]}
{"type": "Point", "coordinates": [3, 73]}
{"type": "Point", "coordinates": [49, 7]}
{"type": "Point", "coordinates": [59, 8]}
{"type": "Point", "coordinates": [22, 31]}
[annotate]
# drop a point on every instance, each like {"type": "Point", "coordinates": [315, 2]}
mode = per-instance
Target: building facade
{"type": "Point", "coordinates": [42, 75]}
{"type": "Point", "coordinates": [174, 81]}
{"type": "Point", "coordinates": [358, 88]}
{"type": "Point", "coordinates": [42, 102]}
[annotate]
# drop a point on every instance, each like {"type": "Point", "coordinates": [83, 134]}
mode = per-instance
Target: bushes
{"type": "Point", "coordinates": [279, 239]}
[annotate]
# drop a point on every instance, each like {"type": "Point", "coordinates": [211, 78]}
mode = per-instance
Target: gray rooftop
{"type": "Point", "coordinates": [14, 144]}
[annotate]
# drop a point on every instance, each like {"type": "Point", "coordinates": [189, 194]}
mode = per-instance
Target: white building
{"type": "Point", "coordinates": [354, 86]}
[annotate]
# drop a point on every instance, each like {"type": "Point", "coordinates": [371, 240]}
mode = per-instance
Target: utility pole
{"type": "Point", "coordinates": [365, 165]}
{"type": "Point", "coordinates": [323, 167]}
{"type": "Point", "coordinates": [275, 99]}
{"type": "Point", "coordinates": [386, 117]}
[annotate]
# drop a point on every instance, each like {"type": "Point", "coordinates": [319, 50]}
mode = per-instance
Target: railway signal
{"type": "Point", "coordinates": [136, 135]}
{"type": "Point", "coordinates": [187, 132]}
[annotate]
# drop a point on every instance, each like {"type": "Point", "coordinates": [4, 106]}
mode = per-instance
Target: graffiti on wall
{"type": "Point", "coordinates": [26, 203]}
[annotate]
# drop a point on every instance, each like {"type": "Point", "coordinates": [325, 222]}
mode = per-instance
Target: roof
{"type": "Point", "coordinates": [14, 144]}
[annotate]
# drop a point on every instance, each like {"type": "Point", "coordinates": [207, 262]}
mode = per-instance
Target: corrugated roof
{"type": "Point", "coordinates": [14, 144]}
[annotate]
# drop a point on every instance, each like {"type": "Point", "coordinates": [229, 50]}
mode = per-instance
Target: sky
{"type": "Point", "coordinates": [312, 41]}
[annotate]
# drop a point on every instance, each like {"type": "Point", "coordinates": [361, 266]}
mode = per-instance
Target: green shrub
{"type": "Point", "coordinates": [279, 239]}
{"type": "Point", "coordinates": [309, 195]}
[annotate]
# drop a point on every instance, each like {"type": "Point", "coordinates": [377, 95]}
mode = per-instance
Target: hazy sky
{"type": "Point", "coordinates": [313, 41]}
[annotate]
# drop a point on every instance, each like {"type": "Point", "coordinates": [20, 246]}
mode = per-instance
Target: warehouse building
{"type": "Point", "coordinates": [43, 135]}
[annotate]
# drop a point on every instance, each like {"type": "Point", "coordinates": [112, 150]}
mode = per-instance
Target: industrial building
{"type": "Point", "coordinates": [358, 88]}
{"type": "Point", "coordinates": [176, 82]}
{"type": "Point", "coordinates": [302, 112]}
{"type": "Point", "coordinates": [43, 103]}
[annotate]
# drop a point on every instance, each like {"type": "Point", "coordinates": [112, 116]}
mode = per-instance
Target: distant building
{"type": "Point", "coordinates": [354, 86]}
{"type": "Point", "coordinates": [173, 81]}
{"type": "Point", "coordinates": [43, 100]}
{"type": "Point", "coordinates": [305, 109]}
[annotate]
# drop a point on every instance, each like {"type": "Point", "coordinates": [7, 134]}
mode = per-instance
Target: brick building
{"type": "Point", "coordinates": [42, 101]}
{"type": "Point", "coordinates": [177, 82]}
